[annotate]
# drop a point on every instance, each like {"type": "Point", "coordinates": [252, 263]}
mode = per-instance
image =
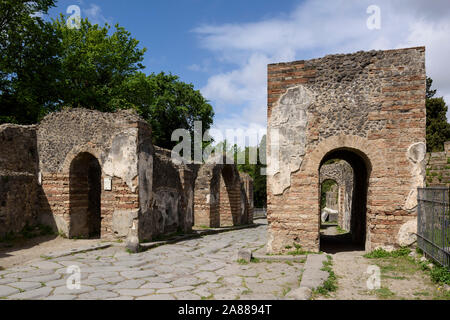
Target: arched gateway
{"type": "Point", "coordinates": [367, 108]}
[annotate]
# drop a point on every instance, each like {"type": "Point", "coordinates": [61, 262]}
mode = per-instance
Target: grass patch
{"type": "Point", "coordinates": [384, 293]}
{"type": "Point", "coordinates": [340, 230]}
{"type": "Point", "coordinates": [286, 291]}
{"type": "Point", "coordinates": [440, 275]}
{"type": "Point", "coordinates": [255, 260]}
{"type": "Point", "coordinates": [242, 262]}
{"type": "Point", "coordinates": [381, 253]}
{"type": "Point", "coordinates": [330, 285]}
{"type": "Point", "coordinates": [298, 251]}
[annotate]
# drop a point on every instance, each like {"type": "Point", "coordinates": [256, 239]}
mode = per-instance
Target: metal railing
{"type": "Point", "coordinates": [433, 227]}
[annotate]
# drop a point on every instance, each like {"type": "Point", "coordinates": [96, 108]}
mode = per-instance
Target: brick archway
{"type": "Point", "coordinates": [361, 166]}
{"type": "Point", "coordinates": [217, 195]}
{"type": "Point", "coordinates": [85, 197]}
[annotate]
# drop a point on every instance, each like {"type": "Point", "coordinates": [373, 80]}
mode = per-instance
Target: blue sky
{"type": "Point", "coordinates": [224, 46]}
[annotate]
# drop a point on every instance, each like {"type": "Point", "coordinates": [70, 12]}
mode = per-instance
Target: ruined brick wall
{"type": "Point", "coordinates": [112, 139]}
{"type": "Point", "coordinates": [171, 205]}
{"type": "Point", "coordinates": [219, 195]}
{"type": "Point", "coordinates": [438, 168]}
{"type": "Point", "coordinates": [18, 178]}
{"type": "Point", "coordinates": [367, 108]}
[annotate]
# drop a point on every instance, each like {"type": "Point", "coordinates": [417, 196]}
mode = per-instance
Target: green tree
{"type": "Point", "coordinates": [28, 60]}
{"type": "Point", "coordinates": [95, 64]}
{"type": "Point", "coordinates": [167, 104]}
{"type": "Point", "coordinates": [255, 171]}
{"type": "Point", "coordinates": [438, 129]}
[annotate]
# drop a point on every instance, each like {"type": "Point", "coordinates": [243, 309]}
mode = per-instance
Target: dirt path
{"type": "Point", "coordinates": [19, 252]}
{"type": "Point", "coordinates": [400, 279]}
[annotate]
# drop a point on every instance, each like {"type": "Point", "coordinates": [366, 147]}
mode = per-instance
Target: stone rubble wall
{"type": "Point", "coordinates": [112, 138]}
{"type": "Point", "coordinates": [18, 178]}
{"type": "Point", "coordinates": [46, 177]}
{"type": "Point", "coordinates": [171, 207]}
{"type": "Point", "coordinates": [369, 104]}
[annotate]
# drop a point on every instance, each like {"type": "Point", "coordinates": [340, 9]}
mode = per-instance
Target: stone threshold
{"type": "Point", "coordinates": [195, 234]}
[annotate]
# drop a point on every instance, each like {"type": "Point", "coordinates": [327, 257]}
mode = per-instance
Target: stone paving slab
{"type": "Point", "coordinates": [203, 268]}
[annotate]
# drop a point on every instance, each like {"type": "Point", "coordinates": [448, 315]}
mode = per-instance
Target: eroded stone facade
{"type": "Point", "coordinates": [92, 174]}
{"type": "Point", "coordinates": [18, 178]}
{"type": "Point", "coordinates": [367, 108]}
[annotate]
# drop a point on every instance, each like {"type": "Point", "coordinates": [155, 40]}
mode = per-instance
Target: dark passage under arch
{"type": "Point", "coordinates": [356, 239]}
{"type": "Point", "coordinates": [85, 197]}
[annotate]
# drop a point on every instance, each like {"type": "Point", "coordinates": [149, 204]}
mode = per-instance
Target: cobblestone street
{"type": "Point", "coordinates": [203, 268]}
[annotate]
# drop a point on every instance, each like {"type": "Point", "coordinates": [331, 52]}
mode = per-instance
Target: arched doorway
{"type": "Point", "coordinates": [85, 197]}
{"type": "Point", "coordinates": [355, 239]}
{"type": "Point", "coordinates": [217, 196]}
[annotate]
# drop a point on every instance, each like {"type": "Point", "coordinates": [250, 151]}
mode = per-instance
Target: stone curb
{"type": "Point", "coordinates": [194, 235]}
{"type": "Point", "coordinates": [53, 255]}
{"type": "Point", "coordinates": [280, 258]}
{"type": "Point", "coordinates": [313, 277]}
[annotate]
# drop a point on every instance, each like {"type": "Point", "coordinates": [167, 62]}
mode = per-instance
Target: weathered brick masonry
{"type": "Point", "coordinates": [93, 174]}
{"type": "Point", "coordinates": [367, 108]}
{"type": "Point", "coordinates": [18, 178]}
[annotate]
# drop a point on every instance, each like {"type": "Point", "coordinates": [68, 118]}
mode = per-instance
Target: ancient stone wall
{"type": "Point", "coordinates": [220, 197]}
{"type": "Point", "coordinates": [367, 108]}
{"type": "Point", "coordinates": [438, 168]}
{"type": "Point", "coordinates": [171, 206]}
{"type": "Point", "coordinates": [18, 178]}
{"type": "Point", "coordinates": [110, 138]}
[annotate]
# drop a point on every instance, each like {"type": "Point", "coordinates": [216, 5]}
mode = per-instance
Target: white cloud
{"type": "Point", "coordinates": [313, 29]}
{"type": "Point", "coordinates": [95, 15]}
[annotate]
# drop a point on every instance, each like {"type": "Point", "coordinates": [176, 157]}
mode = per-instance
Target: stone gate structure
{"type": "Point", "coordinates": [92, 174]}
{"type": "Point", "coordinates": [342, 173]}
{"type": "Point", "coordinates": [223, 196]}
{"type": "Point", "coordinates": [367, 108]}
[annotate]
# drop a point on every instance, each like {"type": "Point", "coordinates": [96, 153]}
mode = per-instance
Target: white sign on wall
{"type": "Point", "coordinates": [108, 184]}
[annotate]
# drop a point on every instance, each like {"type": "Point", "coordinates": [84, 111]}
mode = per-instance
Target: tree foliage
{"type": "Point", "coordinates": [438, 129]}
{"type": "Point", "coordinates": [256, 172]}
{"type": "Point", "coordinates": [46, 66]}
{"type": "Point", "coordinates": [167, 104]}
{"type": "Point", "coordinates": [28, 60]}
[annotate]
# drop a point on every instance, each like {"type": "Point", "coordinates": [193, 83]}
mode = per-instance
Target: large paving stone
{"type": "Point", "coordinates": [129, 284]}
{"type": "Point", "coordinates": [174, 290]}
{"type": "Point", "coordinates": [6, 291]}
{"type": "Point", "coordinates": [63, 290]}
{"type": "Point", "coordinates": [186, 281]}
{"type": "Point", "coordinates": [33, 294]}
{"type": "Point", "coordinates": [157, 297]}
{"type": "Point", "coordinates": [46, 265]}
{"type": "Point", "coordinates": [25, 285]}
{"type": "Point", "coordinates": [97, 295]}
{"type": "Point", "coordinates": [135, 292]}
{"type": "Point", "coordinates": [137, 274]}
